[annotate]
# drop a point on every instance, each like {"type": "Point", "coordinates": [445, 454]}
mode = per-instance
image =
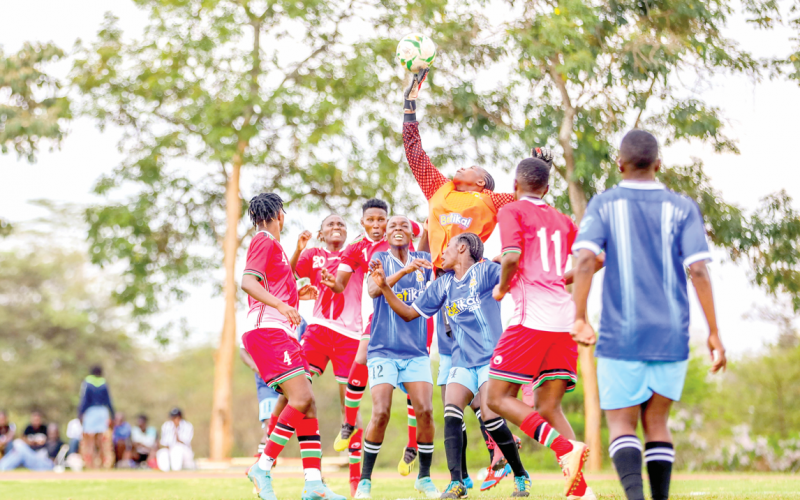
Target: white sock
{"type": "Point", "coordinates": [265, 462]}
{"type": "Point", "coordinates": [312, 474]}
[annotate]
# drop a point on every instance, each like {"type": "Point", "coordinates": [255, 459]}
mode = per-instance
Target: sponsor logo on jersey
{"type": "Point", "coordinates": [497, 360]}
{"type": "Point", "coordinates": [465, 304]}
{"type": "Point", "coordinates": [409, 294]}
{"type": "Point", "coordinates": [473, 282]}
{"type": "Point", "coordinates": [420, 276]}
{"type": "Point", "coordinates": [455, 218]}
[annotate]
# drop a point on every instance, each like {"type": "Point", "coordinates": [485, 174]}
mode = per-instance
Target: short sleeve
{"type": "Point", "coordinates": [305, 264]}
{"type": "Point", "coordinates": [257, 257]}
{"type": "Point", "coordinates": [573, 232]}
{"type": "Point", "coordinates": [694, 246]}
{"type": "Point", "coordinates": [592, 233]}
{"type": "Point", "coordinates": [432, 300]}
{"type": "Point", "coordinates": [352, 258]}
{"type": "Point", "coordinates": [511, 234]}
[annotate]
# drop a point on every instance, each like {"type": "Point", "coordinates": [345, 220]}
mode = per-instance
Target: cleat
{"type": "Point", "coordinates": [493, 477]}
{"type": "Point", "coordinates": [317, 490]}
{"type": "Point", "coordinates": [262, 482]}
{"type": "Point", "coordinates": [518, 441]}
{"type": "Point", "coordinates": [454, 490]}
{"type": "Point", "coordinates": [364, 489]}
{"type": "Point", "coordinates": [353, 486]}
{"type": "Point", "coordinates": [342, 440]}
{"type": "Point", "coordinates": [468, 483]}
{"type": "Point", "coordinates": [406, 464]}
{"type": "Point", "coordinates": [425, 486]}
{"type": "Point", "coordinates": [589, 495]}
{"type": "Point", "coordinates": [522, 486]}
{"type": "Point", "coordinates": [572, 463]}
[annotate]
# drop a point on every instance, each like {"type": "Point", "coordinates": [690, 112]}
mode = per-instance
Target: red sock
{"type": "Point", "coordinates": [537, 428]}
{"type": "Point", "coordinates": [412, 425]}
{"type": "Point", "coordinates": [310, 447]}
{"type": "Point", "coordinates": [580, 488]}
{"type": "Point", "coordinates": [273, 419]}
{"type": "Point", "coordinates": [356, 384]}
{"type": "Point", "coordinates": [288, 421]}
{"type": "Point", "coordinates": [355, 454]}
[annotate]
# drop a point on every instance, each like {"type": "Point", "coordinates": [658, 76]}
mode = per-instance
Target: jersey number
{"type": "Point", "coordinates": [556, 239]}
{"type": "Point", "coordinates": [377, 371]}
{"type": "Point", "coordinates": [366, 257]}
{"type": "Point", "coordinates": [286, 358]}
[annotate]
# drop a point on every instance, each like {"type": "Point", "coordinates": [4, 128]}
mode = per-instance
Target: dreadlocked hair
{"type": "Point", "coordinates": [474, 244]}
{"type": "Point", "coordinates": [375, 203]}
{"type": "Point", "coordinates": [265, 207]}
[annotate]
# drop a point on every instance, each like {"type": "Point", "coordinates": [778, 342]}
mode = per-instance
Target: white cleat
{"type": "Point", "coordinates": [589, 495]}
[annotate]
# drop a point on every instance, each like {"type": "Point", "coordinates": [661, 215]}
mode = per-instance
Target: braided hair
{"type": "Point", "coordinates": [265, 207]}
{"type": "Point", "coordinates": [489, 180]}
{"type": "Point", "coordinates": [474, 244]}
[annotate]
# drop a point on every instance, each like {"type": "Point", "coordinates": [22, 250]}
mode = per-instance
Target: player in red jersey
{"type": "Point", "coordinates": [537, 346]}
{"type": "Point", "coordinates": [269, 339]}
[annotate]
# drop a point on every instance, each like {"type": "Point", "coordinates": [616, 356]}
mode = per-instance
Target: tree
{"type": "Point", "coordinates": [213, 87]}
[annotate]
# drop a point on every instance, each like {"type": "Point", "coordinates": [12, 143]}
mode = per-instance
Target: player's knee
{"type": "Point", "coordinates": [302, 402]}
{"type": "Point", "coordinates": [380, 417]}
{"type": "Point", "coordinates": [547, 409]}
{"type": "Point", "coordinates": [494, 401]}
{"type": "Point", "coordinates": [425, 415]}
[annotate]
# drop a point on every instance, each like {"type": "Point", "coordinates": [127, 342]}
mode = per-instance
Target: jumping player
{"type": "Point", "coordinates": [398, 354]}
{"type": "Point", "coordinates": [466, 294]}
{"type": "Point", "coordinates": [536, 346]}
{"type": "Point", "coordinates": [269, 339]}
{"type": "Point", "coordinates": [643, 349]}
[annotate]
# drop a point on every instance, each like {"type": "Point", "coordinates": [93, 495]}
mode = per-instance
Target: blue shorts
{"type": "Point", "coordinates": [445, 363]}
{"type": "Point", "coordinates": [267, 398]}
{"type": "Point", "coordinates": [624, 383]}
{"type": "Point", "coordinates": [471, 378]}
{"type": "Point", "coordinates": [398, 371]}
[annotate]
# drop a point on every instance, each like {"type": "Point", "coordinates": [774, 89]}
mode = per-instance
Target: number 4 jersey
{"type": "Point", "coordinates": [543, 236]}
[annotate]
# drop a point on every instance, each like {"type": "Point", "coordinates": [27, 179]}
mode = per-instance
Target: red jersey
{"type": "Point", "coordinates": [267, 261]}
{"type": "Point", "coordinates": [543, 236]}
{"type": "Point", "coordinates": [341, 312]}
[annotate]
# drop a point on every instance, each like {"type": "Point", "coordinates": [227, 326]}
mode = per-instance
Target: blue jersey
{"type": "Point", "coordinates": [649, 234]}
{"type": "Point", "coordinates": [443, 341]}
{"type": "Point", "coordinates": [473, 313]}
{"type": "Point", "coordinates": [391, 337]}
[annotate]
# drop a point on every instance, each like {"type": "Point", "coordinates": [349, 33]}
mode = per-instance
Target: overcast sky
{"type": "Point", "coordinates": [761, 116]}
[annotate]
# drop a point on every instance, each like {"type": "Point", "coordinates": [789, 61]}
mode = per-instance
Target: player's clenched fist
{"type": "Point", "coordinates": [302, 240]}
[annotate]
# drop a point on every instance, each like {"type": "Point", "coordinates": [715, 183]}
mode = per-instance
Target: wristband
{"type": "Point", "coordinates": [409, 111]}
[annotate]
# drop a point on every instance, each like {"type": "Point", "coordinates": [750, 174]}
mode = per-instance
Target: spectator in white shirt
{"type": "Point", "coordinates": [175, 451]}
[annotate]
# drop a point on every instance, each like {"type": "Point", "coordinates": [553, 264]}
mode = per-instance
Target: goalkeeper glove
{"type": "Point", "coordinates": [411, 94]}
{"type": "Point", "coordinates": [544, 154]}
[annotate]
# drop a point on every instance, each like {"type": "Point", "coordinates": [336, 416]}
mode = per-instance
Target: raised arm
{"type": "Point", "coordinates": [302, 241]}
{"type": "Point", "coordinates": [379, 281]}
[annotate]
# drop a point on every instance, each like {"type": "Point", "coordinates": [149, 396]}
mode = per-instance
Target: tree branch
{"type": "Point", "coordinates": [646, 97]}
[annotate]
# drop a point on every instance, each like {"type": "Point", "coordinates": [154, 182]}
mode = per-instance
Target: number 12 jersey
{"type": "Point", "coordinates": [543, 236]}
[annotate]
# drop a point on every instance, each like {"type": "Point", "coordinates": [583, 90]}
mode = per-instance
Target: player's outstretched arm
{"type": "Point", "coordinates": [702, 283]}
{"type": "Point", "coordinates": [253, 288]}
{"type": "Point", "coordinates": [582, 331]}
{"type": "Point", "coordinates": [509, 265]}
{"type": "Point", "coordinates": [302, 241]}
{"type": "Point", "coordinates": [406, 312]}
{"type": "Point", "coordinates": [411, 267]}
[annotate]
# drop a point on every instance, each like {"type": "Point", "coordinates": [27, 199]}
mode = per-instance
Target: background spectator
{"type": "Point", "coordinates": [144, 439]}
{"type": "Point", "coordinates": [54, 442]}
{"type": "Point", "coordinates": [7, 430]}
{"type": "Point", "coordinates": [74, 435]}
{"type": "Point", "coordinates": [176, 443]}
{"type": "Point", "coordinates": [35, 434]}
{"type": "Point", "coordinates": [122, 440]}
{"type": "Point", "coordinates": [95, 412]}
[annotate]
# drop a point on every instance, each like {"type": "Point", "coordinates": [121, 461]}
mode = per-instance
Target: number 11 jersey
{"type": "Point", "coordinates": [543, 236]}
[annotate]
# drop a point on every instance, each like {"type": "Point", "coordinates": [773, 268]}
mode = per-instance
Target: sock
{"type": "Point", "coordinates": [537, 428]}
{"type": "Point", "coordinates": [626, 453]}
{"type": "Point", "coordinates": [370, 454]}
{"type": "Point", "coordinates": [273, 419]}
{"type": "Point", "coordinates": [425, 458]}
{"type": "Point", "coordinates": [464, 473]}
{"type": "Point", "coordinates": [412, 425]}
{"type": "Point", "coordinates": [486, 437]}
{"type": "Point", "coordinates": [310, 448]}
{"type": "Point", "coordinates": [356, 383]}
{"type": "Point", "coordinates": [505, 441]}
{"type": "Point", "coordinates": [288, 421]}
{"type": "Point", "coordinates": [659, 455]}
{"type": "Point", "coordinates": [453, 441]}
{"type": "Point", "coordinates": [355, 454]}
{"type": "Point", "coordinates": [261, 447]}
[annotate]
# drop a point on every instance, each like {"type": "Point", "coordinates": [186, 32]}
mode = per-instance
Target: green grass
{"type": "Point", "coordinates": [721, 487]}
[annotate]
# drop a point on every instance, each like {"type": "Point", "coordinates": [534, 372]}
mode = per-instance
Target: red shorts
{"type": "Point", "coordinates": [525, 356]}
{"type": "Point", "coordinates": [278, 356]}
{"type": "Point", "coordinates": [321, 344]}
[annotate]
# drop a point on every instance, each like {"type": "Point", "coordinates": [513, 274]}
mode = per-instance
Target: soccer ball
{"type": "Point", "coordinates": [415, 52]}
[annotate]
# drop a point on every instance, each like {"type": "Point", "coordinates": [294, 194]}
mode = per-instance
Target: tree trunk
{"type": "Point", "coordinates": [577, 199]}
{"type": "Point", "coordinates": [221, 430]}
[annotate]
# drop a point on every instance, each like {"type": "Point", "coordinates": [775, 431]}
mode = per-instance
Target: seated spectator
{"type": "Point", "coordinates": [56, 448]}
{"type": "Point", "coordinates": [21, 455]}
{"type": "Point", "coordinates": [7, 430]}
{"type": "Point", "coordinates": [35, 435]}
{"type": "Point", "coordinates": [176, 443]}
{"type": "Point", "coordinates": [74, 434]}
{"type": "Point", "coordinates": [122, 440]}
{"type": "Point", "coordinates": [143, 440]}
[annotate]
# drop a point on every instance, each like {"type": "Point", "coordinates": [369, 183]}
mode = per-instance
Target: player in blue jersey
{"type": "Point", "coordinates": [398, 355]}
{"type": "Point", "coordinates": [650, 235]}
{"type": "Point", "coordinates": [465, 292]}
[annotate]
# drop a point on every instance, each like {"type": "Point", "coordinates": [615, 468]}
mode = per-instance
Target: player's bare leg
{"type": "Point", "coordinates": [421, 394]}
{"type": "Point", "coordinates": [354, 391]}
{"type": "Point", "coordinates": [502, 399]}
{"type": "Point", "coordinates": [505, 442]}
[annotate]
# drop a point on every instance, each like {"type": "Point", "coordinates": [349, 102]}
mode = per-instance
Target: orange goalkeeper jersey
{"type": "Point", "coordinates": [451, 212]}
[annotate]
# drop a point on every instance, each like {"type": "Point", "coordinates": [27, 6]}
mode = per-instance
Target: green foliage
{"type": "Point", "coordinates": [33, 108]}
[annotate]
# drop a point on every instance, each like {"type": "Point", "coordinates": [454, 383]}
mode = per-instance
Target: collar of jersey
{"type": "Point", "coordinates": [642, 185]}
{"type": "Point", "coordinates": [535, 201]}
{"type": "Point", "coordinates": [398, 260]}
{"type": "Point", "coordinates": [466, 273]}
{"type": "Point", "coordinates": [269, 235]}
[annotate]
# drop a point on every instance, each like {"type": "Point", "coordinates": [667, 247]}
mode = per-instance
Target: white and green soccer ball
{"type": "Point", "coordinates": [416, 52]}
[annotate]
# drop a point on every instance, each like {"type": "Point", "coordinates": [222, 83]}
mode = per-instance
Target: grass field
{"type": "Point", "coordinates": [719, 486]}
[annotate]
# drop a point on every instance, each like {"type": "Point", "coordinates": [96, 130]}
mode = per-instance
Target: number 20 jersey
{"type": "Point", "coordinates": [543, 236]}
